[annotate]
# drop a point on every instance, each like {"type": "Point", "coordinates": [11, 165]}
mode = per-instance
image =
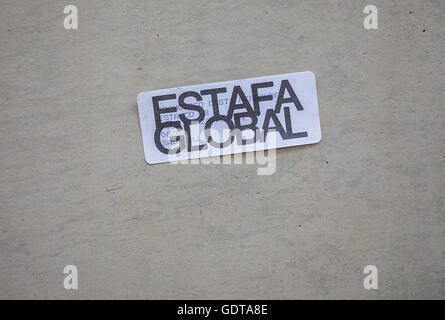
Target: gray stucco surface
{"type": "Point", "coordinates": [75, 188]}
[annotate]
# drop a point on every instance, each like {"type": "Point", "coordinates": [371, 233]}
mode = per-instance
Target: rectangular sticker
{"type": "Point", "coordinates": [229, 117]}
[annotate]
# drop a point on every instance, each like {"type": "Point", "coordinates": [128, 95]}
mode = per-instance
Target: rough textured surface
{"type": "Point", "coordinates": [75, 188]}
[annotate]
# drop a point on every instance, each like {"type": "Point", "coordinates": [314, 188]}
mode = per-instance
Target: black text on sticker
{"type": "Point", "coordinates": [240, 108]}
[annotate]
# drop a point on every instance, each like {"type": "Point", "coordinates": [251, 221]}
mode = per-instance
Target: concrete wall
{"type": "Point", "coordinates": [75, 188]}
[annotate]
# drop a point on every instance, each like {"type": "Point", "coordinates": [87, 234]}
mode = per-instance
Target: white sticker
{"type": "Point", "coordinates": [229, 117]}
